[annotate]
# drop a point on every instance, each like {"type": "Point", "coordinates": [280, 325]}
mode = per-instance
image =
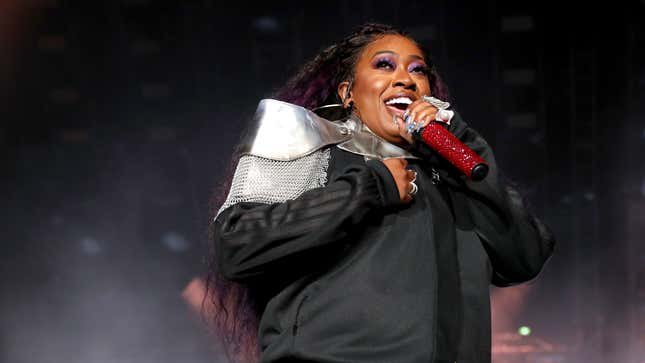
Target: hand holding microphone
{"type": "Point", "coordinates": [442, 141]}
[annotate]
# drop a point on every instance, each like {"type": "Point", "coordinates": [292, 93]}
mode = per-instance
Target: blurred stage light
{"type": "Point", "coordinates": [589, 196]}
{"type": "Point", "coordinates": [524, 331]}
{"type": "Point", "coordinates": [175, 242]}
{"type": "Point", "coordinates": [90, 246]}
{"type": "Point", "coordinates": [537, 138]}
{"type": "Point", "coordinates": [57, 220]}
{"type": "Point", "coordinates": [266, 24]}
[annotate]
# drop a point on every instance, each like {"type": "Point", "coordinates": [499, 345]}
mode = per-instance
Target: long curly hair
{"type": "Point", "coordinates": [233, 308]}
{"type": "Point", "coordinates": [316, 83]}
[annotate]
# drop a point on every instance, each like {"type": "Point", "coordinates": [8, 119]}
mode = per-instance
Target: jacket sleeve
{"type": "Point", "coordinates": [254, 240]}
{"type": "Point", "coordinates": [518, 244]}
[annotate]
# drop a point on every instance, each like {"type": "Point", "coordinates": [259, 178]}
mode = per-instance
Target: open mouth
{"type": "Point", "coordinates": [398, 105]}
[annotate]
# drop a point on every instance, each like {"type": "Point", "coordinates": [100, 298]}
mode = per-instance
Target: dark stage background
{"type": "Point", "coordinates": [119, 119]}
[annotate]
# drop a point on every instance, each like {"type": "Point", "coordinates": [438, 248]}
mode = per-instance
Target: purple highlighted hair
{"type": "Point", "coordinates": [316, 83]}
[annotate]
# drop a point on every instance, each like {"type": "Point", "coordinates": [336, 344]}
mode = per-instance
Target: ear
{"type": "Point", "coordinates": [345, 93]}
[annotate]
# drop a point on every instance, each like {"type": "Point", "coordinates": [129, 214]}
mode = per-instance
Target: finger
{"type": "Point", "coordinates": [426, 120]}
{"type": "Point", "coordinates": [412, 175]}
{"type": "Point", "coordinates": [410, 188]}
{"type": "Point", "coordinates": [419, 115]}
{"type": "Point", "coordinates": [408, 122]}
{"type": "Point", "coordinates": [403, 191]}
{"type": "Point", "coordinates": [407, 198]}
{"type": "Point", "coordinates": [403, 130]}
{"type": "Point", "coordinates": [423, 123]}
{"type": "Point", "coordinates": [411, 123]}
{"type": "Point", "coordinates": [416, 106]}
{"type": "Point", "coordinates": [400, 123]}
{"type": "Point", "coordinates": [428, 114]}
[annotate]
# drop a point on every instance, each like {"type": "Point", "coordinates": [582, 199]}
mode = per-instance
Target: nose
{"type": "Point", "coordinates": [401, 78]}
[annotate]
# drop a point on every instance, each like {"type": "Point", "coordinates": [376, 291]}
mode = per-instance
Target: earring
{"type": "Point", "coordinates": [331, 112]}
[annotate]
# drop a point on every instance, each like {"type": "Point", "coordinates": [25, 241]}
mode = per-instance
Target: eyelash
{"type": "Point", "coordinates": [384, 62]}
{"type": "Point", "coordinates": [421, 69]}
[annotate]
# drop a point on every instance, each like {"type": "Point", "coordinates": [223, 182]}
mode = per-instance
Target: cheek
{"type": "Point", "coordinates": [370, 91]}
{"type": "Point", "coordinates": [378, 84]}
{"type": "Point", "coordinates": [424, 87]}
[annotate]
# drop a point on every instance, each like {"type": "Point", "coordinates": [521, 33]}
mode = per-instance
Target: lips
{"type": "Point", "coordinates": [397, 104]}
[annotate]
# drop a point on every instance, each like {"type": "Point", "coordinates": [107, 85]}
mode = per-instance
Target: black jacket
{"type": "Point", "coordinates": [352, 275]}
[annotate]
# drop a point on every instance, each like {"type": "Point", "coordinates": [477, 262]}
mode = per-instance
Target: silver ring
{"type": "Point", "coordinates": [444, 115]}
{"type": "Point", "coordinates": [436, 102]}
{"type": "Point", "coordinates": [414, 190]}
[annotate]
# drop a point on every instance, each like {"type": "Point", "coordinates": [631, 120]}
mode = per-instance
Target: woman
{"type": "Point", "coordinates": [354, 241]}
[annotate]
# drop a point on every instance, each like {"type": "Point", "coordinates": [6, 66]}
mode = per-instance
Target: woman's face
{"type": "Point", "coordinates": [390, 74]}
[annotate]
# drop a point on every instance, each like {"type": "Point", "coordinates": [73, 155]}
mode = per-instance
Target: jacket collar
{"type": "Point", "coordinates": [283, 131]}
{"type": "Point", "coordinates": [365, 142]}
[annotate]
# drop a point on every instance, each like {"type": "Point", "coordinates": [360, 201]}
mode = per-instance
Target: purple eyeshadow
{"type": "Point", "coordinates": [389, 61]}
{"type": "Point", "coordinates": [416, 65]}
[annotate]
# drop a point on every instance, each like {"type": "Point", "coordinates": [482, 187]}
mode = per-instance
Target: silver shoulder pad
{"type": "Point", "coordinates": [284, 131]}
{"type": "Point", "coordinates": [284, 155]}
{"type": "Point", "coordinates": [262, 180]}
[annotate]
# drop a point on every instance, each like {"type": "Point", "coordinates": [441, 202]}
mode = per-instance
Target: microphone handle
{"type": "Point", "coordinates": [453, 150]}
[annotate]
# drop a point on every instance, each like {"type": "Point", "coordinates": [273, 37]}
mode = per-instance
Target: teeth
{"type": "Point", "coordinates": [405, 100]}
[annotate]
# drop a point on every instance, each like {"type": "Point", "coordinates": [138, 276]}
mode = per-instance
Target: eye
{"type": "Point", "coordinates": [420, 68]}
{"type": "Point", "coordinates": [384, 63]}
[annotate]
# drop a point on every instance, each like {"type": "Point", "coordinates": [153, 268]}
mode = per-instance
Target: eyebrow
{"type": "Point", "coordinates": [415, 56]}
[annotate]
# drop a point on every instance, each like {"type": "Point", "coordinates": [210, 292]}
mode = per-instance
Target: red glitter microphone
{"type": "Point", "coordinates": [453, 150]}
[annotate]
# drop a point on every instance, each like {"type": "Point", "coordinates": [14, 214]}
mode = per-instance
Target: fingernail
{"type": "Point", "coordinates": [411, 127]}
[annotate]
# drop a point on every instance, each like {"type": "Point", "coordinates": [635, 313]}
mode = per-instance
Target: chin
{"type": "Point", "coordinates": [392, 131]}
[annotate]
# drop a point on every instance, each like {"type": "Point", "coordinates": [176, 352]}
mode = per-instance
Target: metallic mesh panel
{"type": "Point", "coordinates": [268, 181]}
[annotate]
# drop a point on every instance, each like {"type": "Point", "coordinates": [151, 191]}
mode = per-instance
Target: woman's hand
{"type": "Point", "coordinates": [418, 115]}
{"type": "Point", "coordinates": [402, 176]}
